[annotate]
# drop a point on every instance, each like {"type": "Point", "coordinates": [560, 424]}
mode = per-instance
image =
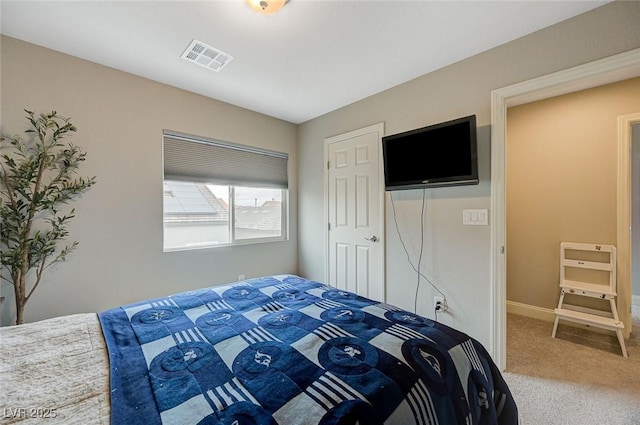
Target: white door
{"type": "Point", "coordinates": [354, 192]}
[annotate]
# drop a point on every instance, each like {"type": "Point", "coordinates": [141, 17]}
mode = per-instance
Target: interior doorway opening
{"type": "Point", "coordinates": [616, 68]}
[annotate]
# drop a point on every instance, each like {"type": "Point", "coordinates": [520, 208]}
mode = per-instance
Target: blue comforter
{"type": "Point", "coordinates": [286, 350]}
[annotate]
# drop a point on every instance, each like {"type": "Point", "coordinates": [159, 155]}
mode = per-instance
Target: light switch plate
{"type": "Point", "coordinates": [475, 217]}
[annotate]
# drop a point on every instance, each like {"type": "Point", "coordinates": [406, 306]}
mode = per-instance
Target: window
{"type": "Point", "coordinates": [217, 193]}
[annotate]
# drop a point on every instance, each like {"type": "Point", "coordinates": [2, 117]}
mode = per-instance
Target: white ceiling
{"type": "Point", "coordinates": [313, 57]}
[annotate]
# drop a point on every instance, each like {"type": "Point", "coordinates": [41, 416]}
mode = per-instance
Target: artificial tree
{"type": "Point", "coordinates": [37, 178]}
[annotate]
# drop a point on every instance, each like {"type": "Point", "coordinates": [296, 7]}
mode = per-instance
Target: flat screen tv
{"type": "Point", "coordinates": [444, 154]}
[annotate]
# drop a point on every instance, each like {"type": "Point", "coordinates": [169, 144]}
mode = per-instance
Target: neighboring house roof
{"type": "Point", "coordinates": [187, 202]}
{"type": "Point", "coordinates": [259, 218]}
{"type": "Point", "coordinates": [272, 203]}
{"type": "Point", "coordinates": [192, 202]}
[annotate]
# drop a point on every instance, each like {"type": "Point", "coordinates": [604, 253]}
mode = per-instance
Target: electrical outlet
{"type": "Point", "coordinates": [440, 304]}
{"type": "Point", "coordinates": [241, 277]}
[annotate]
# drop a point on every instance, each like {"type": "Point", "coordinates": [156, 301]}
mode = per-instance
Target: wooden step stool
{"type": "Point", "coordinates": [589, 316]}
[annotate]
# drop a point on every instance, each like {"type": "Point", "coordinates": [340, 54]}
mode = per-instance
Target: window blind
{"type": "Point", "coordinates": [198, 159]}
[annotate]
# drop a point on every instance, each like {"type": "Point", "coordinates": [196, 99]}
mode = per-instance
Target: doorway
{"type": "Point", "coordinates": [608, 70]}
{"type": "Point", "coordinates": [635, 220]}
{"type": "Point", "coordinates": [629, 132]}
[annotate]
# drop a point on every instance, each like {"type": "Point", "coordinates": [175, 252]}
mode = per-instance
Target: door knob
{"type": "Point", "coordinates": [372, 238]}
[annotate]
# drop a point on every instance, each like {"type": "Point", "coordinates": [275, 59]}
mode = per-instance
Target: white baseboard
{"type": "Point", "coordinates": [545, 314]}
{"type": "Point", "coordinates": [532, 311]}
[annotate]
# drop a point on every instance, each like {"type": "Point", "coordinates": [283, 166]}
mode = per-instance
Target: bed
{"type": "Point", "coordinates": [272, 350]}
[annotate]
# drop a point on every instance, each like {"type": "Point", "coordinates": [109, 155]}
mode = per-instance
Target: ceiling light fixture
{"type": "Point", "coordinates": [266, 7]}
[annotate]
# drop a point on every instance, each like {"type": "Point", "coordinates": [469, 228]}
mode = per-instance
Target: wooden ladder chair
{"type": "Point", "coordinates": [584, 315]}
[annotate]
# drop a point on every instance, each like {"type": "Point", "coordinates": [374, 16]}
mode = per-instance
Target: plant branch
{"type": "Point", "coordinates": [39, 271]}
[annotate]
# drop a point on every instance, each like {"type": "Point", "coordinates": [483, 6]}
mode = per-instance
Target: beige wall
{"type": "Point", "coordinates": [561, 182]}
{"type": "Point", "coordinates": [120, 118]}
{"type": "Point", "coordinates": [457, 257]}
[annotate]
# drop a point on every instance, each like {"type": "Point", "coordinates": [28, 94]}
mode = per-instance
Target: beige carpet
{"type": "Point", "coordinates": [579, 377]}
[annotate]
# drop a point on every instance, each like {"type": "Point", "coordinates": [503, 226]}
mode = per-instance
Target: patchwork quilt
{"type": "Point", "coordinates": [287, 350]}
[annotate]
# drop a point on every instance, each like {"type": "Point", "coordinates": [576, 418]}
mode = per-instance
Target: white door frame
{"type": "Point", "coordinates": [375, 128]}
{"type": "Point", "coordinates": [615, 68]}
{"type": "Point", "coordinates": [624, 210]}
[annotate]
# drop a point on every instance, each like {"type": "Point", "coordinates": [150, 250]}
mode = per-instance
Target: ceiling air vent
{"type": "Point", "coordinates": [206, 56]}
